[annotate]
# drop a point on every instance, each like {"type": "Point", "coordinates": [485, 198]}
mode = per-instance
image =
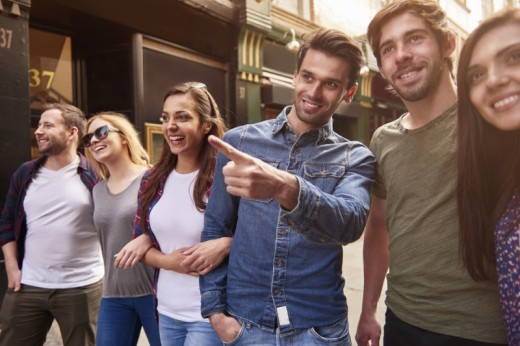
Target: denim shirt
{"type": "Point", "coordinates": [284, 268]}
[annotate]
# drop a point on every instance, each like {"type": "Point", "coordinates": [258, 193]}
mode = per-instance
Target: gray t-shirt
{"type": "Point", "coordinates": [428, 286]}
{"type": "Point", "coordinates": [114, 219]}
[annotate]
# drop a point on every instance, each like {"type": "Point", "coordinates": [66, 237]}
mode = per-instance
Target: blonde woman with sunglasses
{"type": "Point", "coordinates": [172, 201]}
{"type": "Point", "coordinates": [115, 152]}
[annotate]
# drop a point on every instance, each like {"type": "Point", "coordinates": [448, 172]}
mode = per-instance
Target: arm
{"type": "Point", "coordinates": [172, 261]}
{"type": "Point", "coordinates": [375, 260]}
{"type": "Point", "coordinates": [14, 274]}
{"type": "Point", "coordinates": [338, 216]}
{"type": "Point", "coordinates": [7, 230]}
{"type": "Point", "coordinates": [219, 220]}
{"type": "Point", "coordinates": [205, 256]}
{"type": "Point", "coordinates": [133, 252]}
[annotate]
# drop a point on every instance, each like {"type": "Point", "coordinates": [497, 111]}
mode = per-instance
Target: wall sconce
{"type": "Point", "coordinates": [294, 44]}
{"type": "Point", "coordinates": [364, 71]}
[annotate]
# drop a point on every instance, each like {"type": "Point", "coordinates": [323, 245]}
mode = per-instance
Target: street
{"type": "Point", "coordinates": [352, 271]}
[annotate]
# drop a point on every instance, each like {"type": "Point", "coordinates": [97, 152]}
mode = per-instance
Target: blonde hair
{"type": "Point", "coordinates": [136, 152]}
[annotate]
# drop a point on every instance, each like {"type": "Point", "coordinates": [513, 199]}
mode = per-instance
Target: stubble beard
{"type": "Point", "coordinates": [309, 119]}
{"type": "Point", "coordinates": [54, 148]}
{"type": "Point", "coordinates": [421, 91]}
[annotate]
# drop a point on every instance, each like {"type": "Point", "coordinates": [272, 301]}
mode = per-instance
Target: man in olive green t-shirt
{"type": "Point", "coordinates": [412, 229]}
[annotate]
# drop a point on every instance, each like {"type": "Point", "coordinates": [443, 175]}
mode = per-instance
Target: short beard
{"type": "Point", "coordinates": [53, 149]}
{"type": "Point", "coordinates": [416, 94]}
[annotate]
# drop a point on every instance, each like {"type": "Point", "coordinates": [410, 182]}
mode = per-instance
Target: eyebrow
{"type": "Point", "coordinates": [505, 50]}
{"type": "Point", "coordinates": [177, 112]}
{"type": "Point", "coordinates": [499, 54]}
{"type": "Point", "coordinates": [406, 34]}
{"type": "Point", "coordinates": [335, 80]}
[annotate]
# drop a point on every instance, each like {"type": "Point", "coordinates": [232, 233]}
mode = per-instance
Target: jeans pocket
{"type": "Point", "coordinates": [335, 333]}
{"type": "Point", "coordinates": [238, 336]}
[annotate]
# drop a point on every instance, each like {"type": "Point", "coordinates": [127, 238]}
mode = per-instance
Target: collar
{"type": "Point", "coordinates": [281, 123]}
{"type": "Point", "coordinates": [83, 163]}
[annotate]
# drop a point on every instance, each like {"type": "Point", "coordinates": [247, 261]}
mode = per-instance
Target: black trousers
{"type": "Point", "coordinates": [400, 333]}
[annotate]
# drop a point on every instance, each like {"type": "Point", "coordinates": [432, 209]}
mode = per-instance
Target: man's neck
{"type": "Point", "coordinates": [58, 161]}
{"type": "Point", "coordinates": [423, 111]}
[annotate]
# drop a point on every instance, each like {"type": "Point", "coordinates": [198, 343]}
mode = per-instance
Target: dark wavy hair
{"type": "Point", "coordinates": [209, 113]}
{"type": "Point", "coordinates": [334, 43]}
{"type": "Point", "coordinates": [488, 162]}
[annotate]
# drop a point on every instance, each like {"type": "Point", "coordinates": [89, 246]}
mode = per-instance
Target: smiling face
{"type": "Point", "coordinates": [411, 57]}
{"type": "Point", "coordinates": [494, 77]}
{"type": "Point", "coordinates": [108, 149]}
{"type": "Point", "coordinates": [52, 136]}
{"type": "Point", "coordinates": [319, 87]}
{"type": "Point", "coordinates": [182, 127]}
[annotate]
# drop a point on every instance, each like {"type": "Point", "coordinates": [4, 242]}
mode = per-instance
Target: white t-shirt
{"type": "Point", "coordinates": [177, 223]}
{"type": "Point", "coordinates": [62, 248]}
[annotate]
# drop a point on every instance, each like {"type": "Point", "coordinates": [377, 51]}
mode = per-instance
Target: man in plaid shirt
{"type": "Point", "coordinates": [52, 254]}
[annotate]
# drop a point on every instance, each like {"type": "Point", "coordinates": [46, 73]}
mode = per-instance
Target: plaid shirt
{"type": "Point", "coordinates": [137, 227]}
{"type": "Point", "coordinates": [13, 226]}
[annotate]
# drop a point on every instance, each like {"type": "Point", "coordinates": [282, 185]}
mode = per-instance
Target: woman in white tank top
{"type": "Point", "coordinates": [170, 215]}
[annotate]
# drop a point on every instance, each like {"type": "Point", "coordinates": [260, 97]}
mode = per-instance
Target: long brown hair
{"type": "Point", "coordinates": [488, 162]}
{"type": "Point", "coordinates": [209, 113]}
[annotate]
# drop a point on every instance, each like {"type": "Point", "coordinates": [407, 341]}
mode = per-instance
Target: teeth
{"type": "Point", "coordinates": [506, 101]}
{"type": "Point", "coordinates": [96, 149]}
{"type": "Point", "coordinates": [310, 104]}
{"type": "Point", "coordinates": [407, 75]}
{"type": "Point", "coordinates": [176, 138]}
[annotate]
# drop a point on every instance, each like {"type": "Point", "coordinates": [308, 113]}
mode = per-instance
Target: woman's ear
{"type": "Point", "coordinates": [207, 127]}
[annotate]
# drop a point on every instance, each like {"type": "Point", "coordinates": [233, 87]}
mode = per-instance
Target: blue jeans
{"type": "Point", "coordinates": [178, 333]}
{"type": "Point", "coordinates": [334, 335]}
{"type": "Point", "coordinates": [120, 321]}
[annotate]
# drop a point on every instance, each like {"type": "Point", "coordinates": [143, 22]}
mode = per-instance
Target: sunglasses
{"type": "Point", "coordinates": [100, 133]}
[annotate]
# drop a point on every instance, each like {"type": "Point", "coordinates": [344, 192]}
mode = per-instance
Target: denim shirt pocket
{"type": "Point", "coordinates": [325, 176]}
{"type": "Point", "coordinates": [275, 164]}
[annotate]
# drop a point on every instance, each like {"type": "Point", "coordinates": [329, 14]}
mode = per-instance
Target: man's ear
{"type": "Point", "coordinates": [73, 131]}
{"type": "Point", "coordinates": [381, 73]}
{"type": "Point", "coordinates": [449, 45]}
{"type": "Point", "coordinates": [350, 93]}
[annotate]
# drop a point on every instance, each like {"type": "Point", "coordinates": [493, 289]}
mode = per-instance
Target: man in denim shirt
{"type": "Point", "coordinates": [291, 192]}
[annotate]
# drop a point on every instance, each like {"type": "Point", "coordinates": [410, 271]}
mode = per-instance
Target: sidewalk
{"type": "Point", "coordinates": [353, 273]}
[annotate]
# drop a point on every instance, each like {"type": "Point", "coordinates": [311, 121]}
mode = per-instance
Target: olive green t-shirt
{"type": "Point", "coordinates": [428, 286]}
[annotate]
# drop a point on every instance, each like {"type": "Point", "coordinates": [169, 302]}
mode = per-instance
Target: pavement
{"type": "Point", "coordinates": [352, 271]}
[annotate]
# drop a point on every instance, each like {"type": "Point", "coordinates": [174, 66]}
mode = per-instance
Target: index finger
{"type": "Point", "coordinates": [227, 150]}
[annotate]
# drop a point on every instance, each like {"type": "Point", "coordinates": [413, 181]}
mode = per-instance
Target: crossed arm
{"type": "Point", "coordinates": [197, 260]}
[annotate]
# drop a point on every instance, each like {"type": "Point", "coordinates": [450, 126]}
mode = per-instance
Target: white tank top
{"type": "Point", "coordinates": [177, 223]}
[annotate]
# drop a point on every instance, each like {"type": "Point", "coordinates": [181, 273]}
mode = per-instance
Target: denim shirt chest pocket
{"type": "Point", "coordinates": [275, 164]}
{"type": "Point", "coordinates": [325, 176]}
